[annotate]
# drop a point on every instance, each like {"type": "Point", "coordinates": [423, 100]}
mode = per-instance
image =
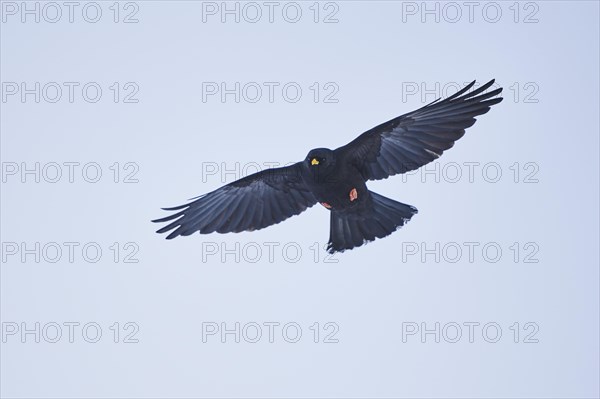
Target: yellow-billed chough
{"type": "Point", "coordinates": [336, 178]}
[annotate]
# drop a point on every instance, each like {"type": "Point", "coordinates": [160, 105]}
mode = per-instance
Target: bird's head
{"type": "Point", "coordinates": [320, 159]}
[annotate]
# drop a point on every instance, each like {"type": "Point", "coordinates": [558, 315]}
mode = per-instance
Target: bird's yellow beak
{"type": "Point", "coordinates": [314, 161]}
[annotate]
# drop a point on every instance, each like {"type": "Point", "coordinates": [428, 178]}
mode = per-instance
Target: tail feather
{"type": "Point", "coordinates": [382, 218]}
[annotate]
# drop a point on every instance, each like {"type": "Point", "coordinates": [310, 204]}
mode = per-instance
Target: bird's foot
{"type": "Point", "coordinates": [326, 205]}
{"type": "Point", "coordinates": [353, 194]}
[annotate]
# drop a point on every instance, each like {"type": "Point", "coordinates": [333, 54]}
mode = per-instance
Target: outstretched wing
{"type": "Point", "coordinates": [412, 140]}
{"type": "Point", "coordinates": [251, 203]}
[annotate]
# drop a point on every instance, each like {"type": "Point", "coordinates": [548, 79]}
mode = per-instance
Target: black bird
{"type": "Point", "coordinates": [336, 178]}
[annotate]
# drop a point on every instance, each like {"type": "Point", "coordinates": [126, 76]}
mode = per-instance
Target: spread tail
{"type": "Point", "coordinates": [354, 228]}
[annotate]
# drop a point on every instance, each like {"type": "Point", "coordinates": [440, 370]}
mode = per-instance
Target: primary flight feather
{"type": "Point", "coordinates": [336, 178]}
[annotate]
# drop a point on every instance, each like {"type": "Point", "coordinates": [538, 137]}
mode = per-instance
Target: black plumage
{"type": "Point", "coordinates": [337, 178]}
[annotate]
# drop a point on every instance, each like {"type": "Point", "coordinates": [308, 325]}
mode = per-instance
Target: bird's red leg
{"type": "Point", "coordinates": [353, 194]}
{"type": "Point", "coordinates": [326, 205]}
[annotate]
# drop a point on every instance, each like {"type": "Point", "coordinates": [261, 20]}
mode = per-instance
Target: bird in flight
{"type": "Point", "coordinates": [337, 178]}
